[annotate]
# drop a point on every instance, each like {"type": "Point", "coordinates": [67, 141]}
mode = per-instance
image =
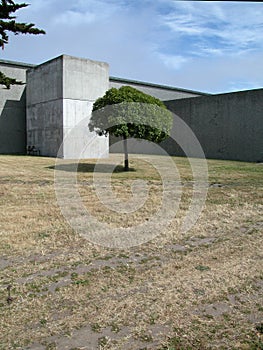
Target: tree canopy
{"type": "Point", "coordinates": [8, 24]}
{"type": "Point", "coordinates": [128, 112]}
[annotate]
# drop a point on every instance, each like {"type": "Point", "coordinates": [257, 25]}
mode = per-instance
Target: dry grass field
{"type": "Point", "coordinates": [198, 290]}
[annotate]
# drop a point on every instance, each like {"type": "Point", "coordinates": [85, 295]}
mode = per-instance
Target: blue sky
{"type": "Point", "coordinates": [206, 46]}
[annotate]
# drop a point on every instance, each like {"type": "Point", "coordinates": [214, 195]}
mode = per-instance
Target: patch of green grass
{"type": "Point", "coordinates": [123, 256]}
{"type": "Point", "coordinates": [43, 322]}
{"type": "Point", "coordinates": [259, 328]}
{"type": "Point", "coordinates": [81, 282]}
{"type": "Point", "coordinates": [74, 275]}
{"type": "Point", "coordinates": [43, 235]}
{"type": "Point", "coordinates": [202, 268]}
{"type": "Point", "coordinates": [115, 328]}
{"type": "Point", "coordinates": [95, 327]}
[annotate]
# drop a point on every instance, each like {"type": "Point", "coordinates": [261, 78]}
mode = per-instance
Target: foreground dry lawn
{"type": "Point", "coordinates": [199, 290]}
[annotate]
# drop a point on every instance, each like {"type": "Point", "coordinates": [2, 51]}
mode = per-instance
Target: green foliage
{"type": "Point", "coordinates": [8, 24]}
{"type": "Point", "coordinates": [4, 80]}
{"type": "Point", "coordinates": [202, 268]}
{"type": "Point", "coordinates": [128, 112]}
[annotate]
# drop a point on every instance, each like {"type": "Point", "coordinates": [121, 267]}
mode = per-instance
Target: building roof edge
{"type": "Point", "coordinates": [160, 86]}
{"type": "Point", "coordinates": [17, 64]}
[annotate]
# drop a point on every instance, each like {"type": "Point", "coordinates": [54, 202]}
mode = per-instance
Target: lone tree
{"type": "Point", "coordinates": [8, 24]}
{"type": "Point", "coordinates": [128, 112]}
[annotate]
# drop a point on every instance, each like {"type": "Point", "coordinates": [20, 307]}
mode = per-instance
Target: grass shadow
{"type": "Point", "coordinates": [90, 168]}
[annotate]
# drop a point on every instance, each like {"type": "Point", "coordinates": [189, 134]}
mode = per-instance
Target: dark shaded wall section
{"type": "Point", "coordinates": [228, 126]}
{"type": "Point", "coordinates": [13, 110]}
{"type": "Point", "coordinates": [13, 127]}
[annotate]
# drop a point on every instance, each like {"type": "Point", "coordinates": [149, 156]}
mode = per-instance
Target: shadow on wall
{"type": "Point", "coordinates": [13, 127]}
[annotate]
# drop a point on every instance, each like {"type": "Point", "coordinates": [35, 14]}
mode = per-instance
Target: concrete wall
{"type": "Point", "coordinates": [164, 93]}
{"type": "Point", "coordinates": [83, 82]}
{"type": "Point", "coordinates": [45, 107]}
{"type": "Point", "coordinates": [13, 110]}
{"type": "Point", "coordinates": [60, 95]}
{"type": "Point", "coordinates": [228, 126]}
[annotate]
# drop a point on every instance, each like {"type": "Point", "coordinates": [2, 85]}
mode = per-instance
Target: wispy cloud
{"type": "Point", "coordinates": [84, 12]}
{"type": "Point", "coordinates": [212, 28]}
{"type": "Point", "coordinates": [210, 46]}
{"type": "Point", "coordinates": [173, 61]}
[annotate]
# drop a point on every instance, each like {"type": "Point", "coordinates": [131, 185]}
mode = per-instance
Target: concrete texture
{"type": "Point", "coordinates": [45, 107]}
{"type": "Point", "coordinates": [60, 95]}
{"type": "Point", "coordinates": [83, 82]}
{"type": "Point", "coordinates": [13, 110]}
{"type": "Point", "coordinates": [228, 126]}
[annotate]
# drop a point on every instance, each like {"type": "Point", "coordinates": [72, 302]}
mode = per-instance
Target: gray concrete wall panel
{"type": "Point", "coordinates": [13, 111]}
{"type": "Point", "coordinates": [79, 140]}
{"type": "Point", "coordinates": [83, 82]}
{"type": "Point", "coordinates": [45, 126]}
{"type": "Point", "coordinates": [228, 126]}
{"type": "Point", "coordinates": [45, 82]}
{"type": "Point", "coordinates": [45, 107]}
{"type": "Point", "coordinates": [84, 79]}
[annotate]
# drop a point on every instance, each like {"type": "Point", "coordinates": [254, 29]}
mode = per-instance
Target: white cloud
{"type": "Point", "coordinates": [197, 45]}
{"type": "Point", "coordinates": [183, 24]}
{"type": "Point", "coordinates": [85, 12]}
{"type": "Point", "coordinates": [172, 61]}
{"type": "Point", "coordinates": [233, 27]}
{"type": "Point", "coordinates": [75, 18]}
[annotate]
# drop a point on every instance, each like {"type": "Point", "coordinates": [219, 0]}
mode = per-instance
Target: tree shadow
{"type": "Point", "coordinates": [90, 168]}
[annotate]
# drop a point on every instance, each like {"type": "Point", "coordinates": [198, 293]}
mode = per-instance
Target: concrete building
{"type": "Point", "coordinates": [51, 112]}
{"type": "Point", "coordinates": [60, 94]}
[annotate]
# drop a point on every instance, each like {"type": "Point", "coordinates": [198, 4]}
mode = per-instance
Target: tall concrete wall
{"type": "Point", "coordinates": [13, 110]}
{"type": "Point", "coordinates": [45, 107]}
{"type": "Point", "coordinates": [228, 126]}
{"type": "Point", "coordinates": [60, 95]}
{"type": "Point", "coordinates": [83, 82]}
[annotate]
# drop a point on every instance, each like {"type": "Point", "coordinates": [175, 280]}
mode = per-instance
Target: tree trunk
{"type": "Point", "coordinates": [125, 148]}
